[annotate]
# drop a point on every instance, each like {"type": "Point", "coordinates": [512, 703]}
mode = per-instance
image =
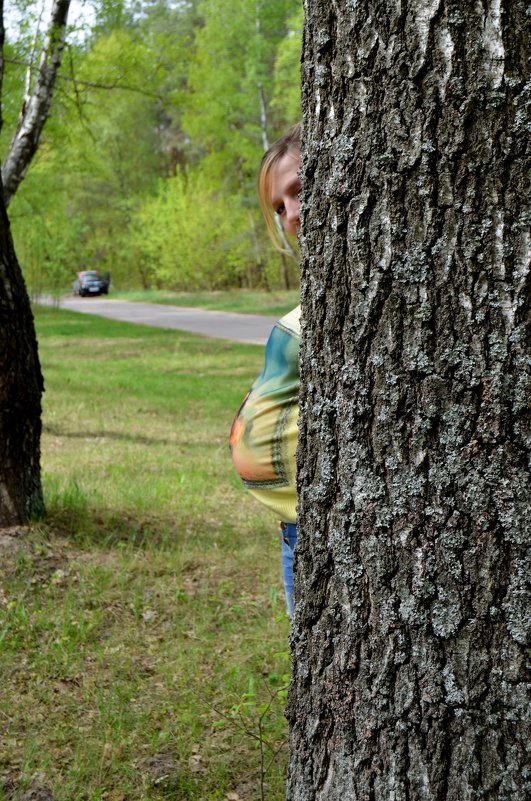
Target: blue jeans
{"type": "Point", "coordinates": [289, 538]}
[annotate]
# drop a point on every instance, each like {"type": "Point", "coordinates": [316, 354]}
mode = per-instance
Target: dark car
{"type": "Point", "coordinates": [91, 282]}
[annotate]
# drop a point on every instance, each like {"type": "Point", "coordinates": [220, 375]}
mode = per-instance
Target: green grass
{"type": "Point", "coordinates": [276, 303]}
{"type": "Point", "coordinates": [143, 640]}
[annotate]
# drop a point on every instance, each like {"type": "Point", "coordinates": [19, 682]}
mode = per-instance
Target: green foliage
{"type": "Point", "coordinates": [189, 238]}
{"type": "Point", "coordinates": [231, 83]}
{"type": "Point", "coordinates": [13, 91]}
{"type": "Point", "coordinates": [147, 166]}
{"type": "Point", "coordinates": [48, 249]}
{"type": "Point", "coordinates": [101, 155]}
{"type": "Point", "coordinates": [286, 99]}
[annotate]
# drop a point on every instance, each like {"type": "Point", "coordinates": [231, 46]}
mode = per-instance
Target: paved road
{"type": "Point", "coordinates": [250, 328]}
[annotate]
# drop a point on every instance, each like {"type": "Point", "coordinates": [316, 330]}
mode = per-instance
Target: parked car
{"type": "Point", "coordinates": [91, 282]}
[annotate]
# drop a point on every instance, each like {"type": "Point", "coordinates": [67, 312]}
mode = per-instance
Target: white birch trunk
{"type": "Point", "coordinates": [36, 106]}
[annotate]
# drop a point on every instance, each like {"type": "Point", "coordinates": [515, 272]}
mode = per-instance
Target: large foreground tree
{"type": "Point", "coordinates": [410, 623]}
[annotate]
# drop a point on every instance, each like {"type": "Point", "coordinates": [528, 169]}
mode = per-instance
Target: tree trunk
{"type": "Point", "coordinates": [21, 387]}
{"type": "Point", "coordinates": [414, 516]}
{"type": "Point", "coordinates": [36, 105]}
{"type": "Point", "coordinates": [21, 383]}
{"type": "Point", "coordinates": [284, 271]}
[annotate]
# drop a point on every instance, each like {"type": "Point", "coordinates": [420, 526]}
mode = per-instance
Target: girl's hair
{"type": "Point", "coordinates": [290, 142]}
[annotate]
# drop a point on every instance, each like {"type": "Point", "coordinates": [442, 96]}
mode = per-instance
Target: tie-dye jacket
{"type": "Point", "coordinates": [263, 438]}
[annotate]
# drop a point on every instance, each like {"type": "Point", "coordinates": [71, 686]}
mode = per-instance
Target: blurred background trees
{"type": "Point", "coordinates": [147, 164]}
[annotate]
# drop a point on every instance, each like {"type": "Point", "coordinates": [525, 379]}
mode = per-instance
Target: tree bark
{"type": "Point", "coordinates": [36, 105]}
{"type": "Point", "coordinates": [414, 517]}
{"type": "Point", "coordinates": [21, 387]}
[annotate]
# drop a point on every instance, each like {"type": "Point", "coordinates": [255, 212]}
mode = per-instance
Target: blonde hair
{"type": "Point", "coordinates": [290, 142]}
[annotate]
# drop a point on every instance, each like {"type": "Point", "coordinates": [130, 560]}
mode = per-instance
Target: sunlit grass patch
{"type": "Point", "coordinates": [244, 301]}
{"type": "Point", "coordinates": [142, 626]}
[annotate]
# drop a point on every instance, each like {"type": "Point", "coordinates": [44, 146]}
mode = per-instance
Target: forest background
{"type": "Point", "coordinates": [147, 165]}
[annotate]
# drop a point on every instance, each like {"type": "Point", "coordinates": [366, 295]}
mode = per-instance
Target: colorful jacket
{"type": "Point", "coordinates": [263, 438]}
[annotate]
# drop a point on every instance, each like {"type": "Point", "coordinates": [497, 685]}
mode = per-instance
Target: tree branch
{"type": "Point", "coordinates": [93, 84]}
{"type": "Point", "coordinates": [33, 56]}
{"type": "Point", "coordinates": [36, 108]}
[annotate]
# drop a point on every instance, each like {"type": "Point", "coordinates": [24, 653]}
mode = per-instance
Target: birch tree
{"type": "Point", "coordinates": [411, 617]}
{"type": "Point", "coordinates": [37, 101]}
{"type": "Point", "coordinates": [21, 383]}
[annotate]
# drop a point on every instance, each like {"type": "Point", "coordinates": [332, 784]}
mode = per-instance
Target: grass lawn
{"type": "Point", "coordinates": [143, 639]}
{"type": "Point", "coordinates": [244, 301]}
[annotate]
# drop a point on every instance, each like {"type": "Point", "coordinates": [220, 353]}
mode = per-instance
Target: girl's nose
{"type": "Point", "coordinates": [293, 212]}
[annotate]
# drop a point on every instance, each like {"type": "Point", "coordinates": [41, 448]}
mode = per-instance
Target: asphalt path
{"type": "Point", "coordinates": [253, 329]}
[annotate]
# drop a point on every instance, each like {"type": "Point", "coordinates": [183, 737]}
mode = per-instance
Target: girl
{"type": "Point", "coordinates": [263, 438]}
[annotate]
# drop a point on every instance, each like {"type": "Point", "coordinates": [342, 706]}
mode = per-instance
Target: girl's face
{"type": "Point", "coordinates": [284, 188]}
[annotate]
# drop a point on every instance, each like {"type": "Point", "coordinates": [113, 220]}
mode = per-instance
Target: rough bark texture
{"type": "Point", "coordinates": [411, 616]}
{"type": "Point", "coordinates": [36, 106]}
{"type": "Point", "coordinates": [21, 387]}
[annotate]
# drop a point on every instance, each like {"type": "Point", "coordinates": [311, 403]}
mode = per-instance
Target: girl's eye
{"type": "Point", "coordinates": [280, 210]}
